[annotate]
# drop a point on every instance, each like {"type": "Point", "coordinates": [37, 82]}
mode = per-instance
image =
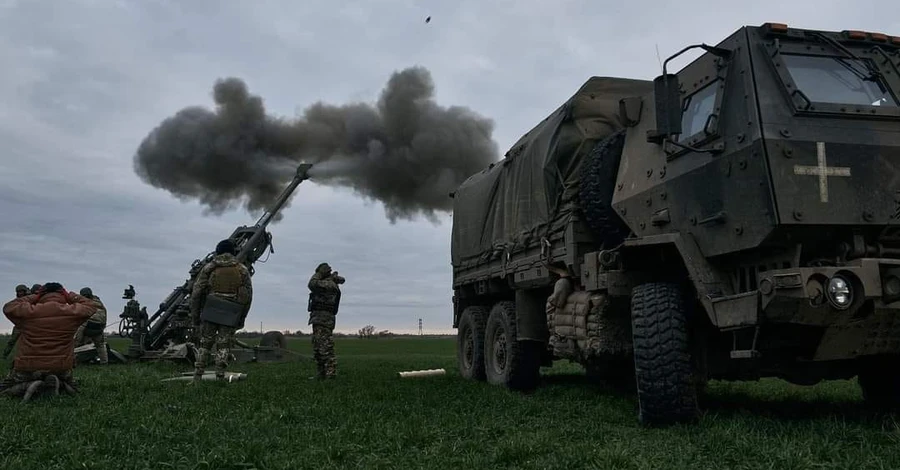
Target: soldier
{"type": "Point", "coordinates": [220, 302]}
{"type": "Point", "coordinates": [93, 328]}
{"type": "Point", "coordinates": [47, 321]}
{"type": "Point", "coordinates": [324, 299]}
{"type": "Point", "coordinates": [21, 291]}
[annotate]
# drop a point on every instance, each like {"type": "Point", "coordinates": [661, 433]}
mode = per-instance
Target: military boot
{"type": "Point", "coordinates": [51, 382]}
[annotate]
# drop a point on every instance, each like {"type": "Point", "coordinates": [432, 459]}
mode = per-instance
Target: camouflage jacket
{"type": "Point", "coordinates": [208, 282]}
{"type": "Point", "coordinates": [324, 299]}
{"type": "Point", "coordinates": [100, 315]}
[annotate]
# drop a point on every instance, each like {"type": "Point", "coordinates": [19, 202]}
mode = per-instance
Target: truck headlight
{"type": "Point", "coordinates": [840, 294]}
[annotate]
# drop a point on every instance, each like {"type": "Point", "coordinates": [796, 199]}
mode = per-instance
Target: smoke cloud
{"type": "Point", "coordinates": [405, 151]}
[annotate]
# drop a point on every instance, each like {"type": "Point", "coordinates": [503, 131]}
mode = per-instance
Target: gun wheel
{"type": "Point", "coordinates": [273, 339]}
{"type": "Point", "coordinates": [126, 328]}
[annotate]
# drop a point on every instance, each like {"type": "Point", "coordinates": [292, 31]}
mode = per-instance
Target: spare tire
{"type": "Point", "coordinates": [598, 182]}
{"type": "Point", "coordinates": [274, 339]}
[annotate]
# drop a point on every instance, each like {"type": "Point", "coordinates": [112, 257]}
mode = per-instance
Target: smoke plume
{"type": "Point", "coordinates": [405, 151]}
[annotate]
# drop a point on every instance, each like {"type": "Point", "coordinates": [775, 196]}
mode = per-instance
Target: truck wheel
{"type": "Point", "coordinates": [880, 384]}
{"type": "Point", "coordinates": [509, 362]}
{"type": "Point", "coordinates": [470, 343]}
{"type": "Point", "coordinates": [598, 181]}
{"type": "Point", "coordinates": [662, 360]}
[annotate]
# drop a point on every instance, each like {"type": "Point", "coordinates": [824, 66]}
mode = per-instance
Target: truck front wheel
{"type": "Point", "coordinates": [662, 360]}
{"type": "Point", "coordinates": [470, 343]}
{"type": "Point", "coordinates": [508, 361]}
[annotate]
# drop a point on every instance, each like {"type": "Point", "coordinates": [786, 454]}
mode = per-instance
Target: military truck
{"type": "Point", "coordinates": [735, 220]}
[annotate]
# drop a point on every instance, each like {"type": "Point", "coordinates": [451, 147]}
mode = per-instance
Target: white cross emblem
{"type": "Point", "coordinates": [822, 170]}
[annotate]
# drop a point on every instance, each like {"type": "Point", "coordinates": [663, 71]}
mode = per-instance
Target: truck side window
{"type": "Point", "coordinates": [697, 108]}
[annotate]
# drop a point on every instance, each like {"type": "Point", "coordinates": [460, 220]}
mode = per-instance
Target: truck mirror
{"type": "Point", "coordinates": [667, 95]}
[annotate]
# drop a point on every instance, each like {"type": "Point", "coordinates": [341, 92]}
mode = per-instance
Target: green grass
{"type": "Point", "coordinates": [126, 418]}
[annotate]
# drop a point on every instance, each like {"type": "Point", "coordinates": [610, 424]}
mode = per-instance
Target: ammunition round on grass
{"type": "Point", "coordinates": [421, 373]}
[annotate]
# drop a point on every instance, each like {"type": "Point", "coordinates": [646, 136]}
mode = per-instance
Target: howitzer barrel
{"type": "Point", "coordinates": [266, 218]}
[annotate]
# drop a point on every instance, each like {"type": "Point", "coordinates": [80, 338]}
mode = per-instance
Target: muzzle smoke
{"type": "Point", "coordinates": [405, 151]}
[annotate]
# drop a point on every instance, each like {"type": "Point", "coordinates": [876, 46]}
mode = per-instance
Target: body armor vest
{"type": "Point", "coordinates": [324, 300]}
{"type": "Point", "coordinates": [224, 281]}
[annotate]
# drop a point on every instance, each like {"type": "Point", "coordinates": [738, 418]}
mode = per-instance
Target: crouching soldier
{"type": "Point", "coordinates": [220, 302]}
{"type": "Point", "coordinates": [93, 328]}
{"type": "Point", "coordinates": [21, 291]}
{"type": "Point", "coordinates": [47, 321]}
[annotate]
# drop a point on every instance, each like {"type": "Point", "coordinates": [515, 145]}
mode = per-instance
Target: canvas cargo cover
{"type": "Point", "coordinates": [515, 202]}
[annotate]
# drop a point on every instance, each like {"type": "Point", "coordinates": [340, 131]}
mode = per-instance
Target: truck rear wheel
{"type": "Point", "coordinates": [598, 182]}
{"type": "Point", "coordinates": [508, 361]}
{"type": "Point", "coordinates": [662, 360]}
{"type": "Point", "coordinates": [470, 343]}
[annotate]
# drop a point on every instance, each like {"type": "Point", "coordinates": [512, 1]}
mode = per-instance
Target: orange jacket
{"type": "Point", "coordinates": [47, 324]}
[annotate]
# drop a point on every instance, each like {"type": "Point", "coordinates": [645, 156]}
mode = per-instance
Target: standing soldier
{"type": "Point", "coordinates": [324, 299]}
{"type": "Point", "coordinates": [21, 291]}
{"type": "Point", "coordinates": [93, 328]}
{"type": "Point", "coordinates": [220, 302]}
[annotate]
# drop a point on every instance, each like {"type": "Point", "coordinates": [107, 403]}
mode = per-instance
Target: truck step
{"type": "Point", "coordinates": [745, 354]}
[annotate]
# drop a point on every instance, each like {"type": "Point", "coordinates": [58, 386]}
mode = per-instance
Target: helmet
{"type": "Point", "coordinates": [22, 290]}
{"type": "Point", "coordinates": [86, 292]}
{"type": "Point", "coordinates": [225, 246]}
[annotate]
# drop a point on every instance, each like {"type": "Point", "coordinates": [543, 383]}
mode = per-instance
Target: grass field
{"type": "Point", "coordinates": [126, 418]}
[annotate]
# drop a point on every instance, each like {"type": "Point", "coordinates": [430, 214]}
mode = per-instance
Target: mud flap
{"type": "Point", "coordinates": [531, 317]}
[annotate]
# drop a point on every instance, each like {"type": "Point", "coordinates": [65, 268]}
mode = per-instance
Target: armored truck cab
{"type": "Point", "coordinates": [735, 220]}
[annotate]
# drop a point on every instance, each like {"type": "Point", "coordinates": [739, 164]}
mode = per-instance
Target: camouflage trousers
{"type": "Point", "coordinates": [98, 340]}
{"type": "Point", "coordinates": [16, 382]}
{"type": "Point", "coordinates": [323, 351]}
{"type": "Point", "coordinates": [220, 336]}
{"type": "Point", "coordinates": [12, 342]}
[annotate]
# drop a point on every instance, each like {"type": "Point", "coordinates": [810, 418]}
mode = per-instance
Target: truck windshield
{"type": "Point", "coordinates": [826, 79]}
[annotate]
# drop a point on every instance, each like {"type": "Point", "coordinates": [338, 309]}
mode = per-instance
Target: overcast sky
{"type": "Point", "coordinates": [83, 82]}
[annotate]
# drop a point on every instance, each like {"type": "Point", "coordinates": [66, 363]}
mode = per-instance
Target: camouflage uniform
{"type": "Point", "coordinates": [227, 278]}
{"type": "Point", "coordinates": [324, 299]}
{"type": "Point", "coordinates": [93, 328]}
{"type": "Point", "coordinates": [16, 382]}
{"type": "Point", "coordinates": [21, 291]}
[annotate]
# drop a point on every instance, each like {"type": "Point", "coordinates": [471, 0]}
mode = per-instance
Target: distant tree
{"type": "Point", "coordinates": [367, 331]}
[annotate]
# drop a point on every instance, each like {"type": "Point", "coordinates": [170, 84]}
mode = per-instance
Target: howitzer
{"type": "Point", "coordinates": [169, 331]}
